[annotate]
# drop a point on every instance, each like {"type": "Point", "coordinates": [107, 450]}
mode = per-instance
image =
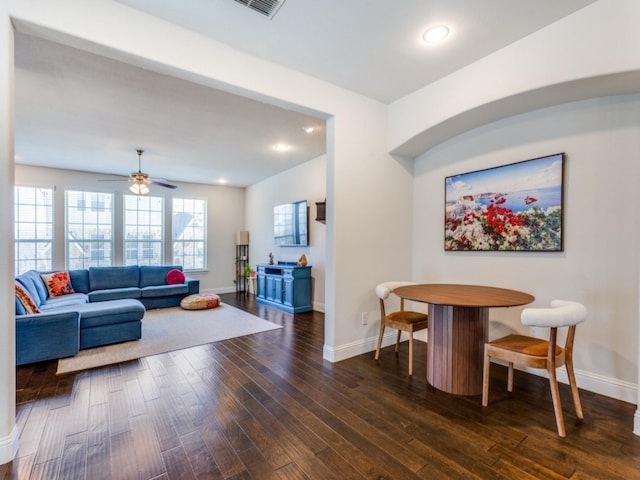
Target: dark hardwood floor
{"type": "Point", "coordinates": [267, 406]}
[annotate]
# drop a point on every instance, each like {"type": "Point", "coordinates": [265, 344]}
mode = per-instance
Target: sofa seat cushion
{"type": "Point", "coordinates": [64, 301]}
{"type": "Point", "coordinates": [103, 278]}
{"type": "Point", "coordinates": [110, 312]}
{"type": "Point", "coordinates": [200, 301]}
{"type": "Point", "coordinates": [114, 294]}
{"type": "Point", "coordinates": [47, 336]}
{"type": "Point", "coordinates": [164, 290]}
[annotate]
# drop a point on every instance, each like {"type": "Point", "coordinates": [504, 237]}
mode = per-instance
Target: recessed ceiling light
{"type": "Point", "coordinates": [281, 147]}
{"type": "Point", "coordinates": [435, 34]}
{"type": "Point", "coordinates": [309, 129]}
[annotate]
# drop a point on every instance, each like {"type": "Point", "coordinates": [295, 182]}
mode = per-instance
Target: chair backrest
{"type": "Point", "coordinates": [384, 289]}
{"type": "Point", "coordinates": [563, 313]}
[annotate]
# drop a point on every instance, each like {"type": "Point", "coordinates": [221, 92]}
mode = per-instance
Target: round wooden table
{"type": "Point", "coordinates": [458, 330]}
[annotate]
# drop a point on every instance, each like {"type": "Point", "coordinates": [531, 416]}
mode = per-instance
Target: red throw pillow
{"type": "Point", "coordinates": [58, 283]}
{"type": "Point", "coordinates": [174, 277]}
{"type": "Point", "coordinates": [26, 300]}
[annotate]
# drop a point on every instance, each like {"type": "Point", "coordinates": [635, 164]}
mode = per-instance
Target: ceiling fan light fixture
{"type": "Point", "coordinates": [139, 188]}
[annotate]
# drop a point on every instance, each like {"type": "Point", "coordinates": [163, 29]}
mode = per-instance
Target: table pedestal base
{"type": "Point", "coordinates": [455, 350]}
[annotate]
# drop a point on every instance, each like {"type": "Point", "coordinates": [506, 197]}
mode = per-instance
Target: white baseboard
{"type": "Point", "coordinates": [359, 347]}
{"type": "Point", "coordinates": [600, 384]}
{"type": "Point", "coordinates": [607, 386]}
{"type": "Point", "coordinates": [9, 446]}
{"type": "Point", "coordinates": [219, 290]}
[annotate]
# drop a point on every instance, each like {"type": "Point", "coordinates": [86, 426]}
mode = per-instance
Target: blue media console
{"type": "Point", "coordinates": [285, 286]}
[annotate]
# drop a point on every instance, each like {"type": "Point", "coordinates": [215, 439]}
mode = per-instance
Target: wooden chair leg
{"type": "Point", "coordinates": [380, 340]}
{"type": "Point", "coordinates": [510, 378]}
{"type": "Point", "coordinates": [485, 378]}
{"type": "Point", "coordinates": [555, 396]}
{"type": "Point", "coordinates": [410, 353]}
{"type": "Point", "coordinates": [398, 340]}
{"type": "Point", "coordinates": [574, 388]}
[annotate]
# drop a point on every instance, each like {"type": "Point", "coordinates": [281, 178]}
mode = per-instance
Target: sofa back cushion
{"type": "Point", "coordinates": [20, 310]}
{"type": "Point", "coordinates": [103, 278]}
{"type": "Point", "coordinates": [80, 280]}
{"type": "Point", "coordinates": [152, 275]}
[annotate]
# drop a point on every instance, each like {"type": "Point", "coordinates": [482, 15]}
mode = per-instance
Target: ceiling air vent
{"type": "Point", "coordinates": [268, 8]}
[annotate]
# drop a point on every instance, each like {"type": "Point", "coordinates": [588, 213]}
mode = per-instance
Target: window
{"type": "Point", "coordinates": [143, 230]}
{"type": "Point", "coordinates": [189, 226]}
{"type": "Point", "coordinates": [89, 227]}
{"type": "Point", "coordinates": [33, 229]}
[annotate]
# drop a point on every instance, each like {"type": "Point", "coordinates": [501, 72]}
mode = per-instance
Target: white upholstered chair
{"type": "Point", "coordinates": [402, 320]}
{"type": "Point", "coordinates": [544, 354]}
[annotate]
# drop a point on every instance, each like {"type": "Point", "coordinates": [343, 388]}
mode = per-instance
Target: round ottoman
{"type": "Point", "coordinates": [200, 301]}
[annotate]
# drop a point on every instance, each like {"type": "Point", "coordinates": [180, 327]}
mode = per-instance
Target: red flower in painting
{"type": "Point", "coordinates": [499, 217]}
{"type": "Point", "coordinates": [472, 225]}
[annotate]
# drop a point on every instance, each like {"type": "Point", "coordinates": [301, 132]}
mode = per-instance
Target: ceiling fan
{"type": "Point", "coordinates": [140, 180]}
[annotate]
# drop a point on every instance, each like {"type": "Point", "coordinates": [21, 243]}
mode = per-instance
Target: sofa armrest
{"type": "Point", "coordinates": [194, 285]}
{"type": "Point", "coordinates": [47, 336]}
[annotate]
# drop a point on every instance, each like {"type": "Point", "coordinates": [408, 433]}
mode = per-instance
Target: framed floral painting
{"type": "Point", "coordinates": [515, 207]}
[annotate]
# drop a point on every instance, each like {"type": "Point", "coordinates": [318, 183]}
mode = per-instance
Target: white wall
{"type": "Point", "coordinates": [304, 182]}
{"type": "Point", "coordinates": [225, 216]}
{"type": "Point", "coordinates": [636, 418]}
{"type": "Point", "coordinates": [600, 262]}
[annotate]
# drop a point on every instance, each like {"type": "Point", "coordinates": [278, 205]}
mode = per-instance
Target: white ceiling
{"type": "Point", "coordinates": [369, 46]}
{"type": "Point", "coordinates": [80, 111]}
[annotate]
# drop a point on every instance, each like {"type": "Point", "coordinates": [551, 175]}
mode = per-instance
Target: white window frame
{"type": "Point", "coordinates": [33, 228]}
{"type": "Point", "coordinates": [96, 226]}
{"type": "Point", "coordinates": [189, 235]}
{"type": "Point", "coordinates": [148, 221]}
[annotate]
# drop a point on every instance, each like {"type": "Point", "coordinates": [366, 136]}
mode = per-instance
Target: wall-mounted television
{"type": "Point", "coordinates": [290, 224]}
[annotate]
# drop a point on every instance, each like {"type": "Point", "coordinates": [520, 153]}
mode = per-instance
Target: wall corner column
{"type": "Point", "coordinates": [636, 417]}
{"type": "Point", "coordinates": [8, 429]}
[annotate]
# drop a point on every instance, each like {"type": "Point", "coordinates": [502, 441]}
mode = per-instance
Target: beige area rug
{"type": "Point", "coordinates": [168, 329]}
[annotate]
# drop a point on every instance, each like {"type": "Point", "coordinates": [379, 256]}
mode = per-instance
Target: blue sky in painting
{"type": "Point", "coordinates": [529, 175]}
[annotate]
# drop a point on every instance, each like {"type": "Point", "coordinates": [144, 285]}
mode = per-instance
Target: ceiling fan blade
{"type": "Point", "coordinates": [163, 183]}
{"type": "Point", "coordinates": [122, 179]}
{"type": "Point", "coordinates": [140, 178]}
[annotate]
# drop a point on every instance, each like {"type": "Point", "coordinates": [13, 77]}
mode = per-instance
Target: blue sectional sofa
{"type": "Point", "coordinates": [107, 307]}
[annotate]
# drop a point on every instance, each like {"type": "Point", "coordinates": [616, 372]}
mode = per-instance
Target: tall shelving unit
{"type": "Point", "coordinates": [242, 260]}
